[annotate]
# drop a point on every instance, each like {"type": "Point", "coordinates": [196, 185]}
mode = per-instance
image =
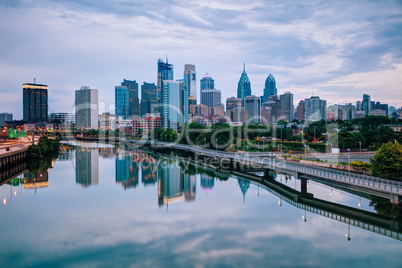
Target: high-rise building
{"type": "Point", "coordinates": [86, 108]}
{"type": "Point", "coordinates": [192, 101]}
{"type": "Point", "coordinates": [206, 83]}
{"type": "Point", "coordinates": [5, 117]}
{"type": "Point", "coordinates": [149, 98]}
{"type": "Point", "coordinates": [358, 105]}
{"type": "Point", "coordinates": [315, 109]}
{"type": "Point", "coordinates": [211, 97]}
{"type": "Point", "coordinates": [121, 100]}
{"type": "Point", "coordinates": [366, 104]}
{"type": "Point", "coordinates": [270, 87]}
{"type": "Point", "coordinates": [35, 103]}
{"type": "Point", "coordinates": [170, 107]}
{"type": "Point", "coordinates": [184, 101]}
{"type": "Point", "coordinates": [133, 100]}
{"type": "Point", "coordinates": [238, 114]}
{"type": "Point", "coordinates": [252, 104]}
{"type": "Point", "coordinates": [190, 77]}
{"type": "Point", "coordinates": [300, 111]}
{"type": "Point", "coordinates": [233, 103]}
{"type": "Point", "coordinates": [244, 85]}
{"type": "Point", "coordinates": [86, 167]}
{"type": "Point", "coordinates": [165, 72]}
{"type": "Point", "coordinates": [170, 184]}
{"type": "Point", "coordinates": [287, 110]}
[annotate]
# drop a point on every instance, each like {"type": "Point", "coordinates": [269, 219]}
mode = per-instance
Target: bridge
{"type": "Point", "coordinates": [385, 188]}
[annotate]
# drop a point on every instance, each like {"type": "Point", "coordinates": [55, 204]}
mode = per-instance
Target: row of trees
{"type": "Point", "coordinates": [40, 156]}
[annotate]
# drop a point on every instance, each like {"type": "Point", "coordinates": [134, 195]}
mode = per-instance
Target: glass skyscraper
{"type": "Point", "coordinates": [165, 72]}
{"type": "Point", "coordinates": [133, 100]}
{"type": "Point", "coordinates": [170, 104]}
{"type": "Point", "coordinates": [86, 108]}
{"type": "Point", "coordinates": [366, 104]}
{"type": "Point", "coordinates": [270, 87]}
{"type": "Point", "coordinates": [244, 86]}
{"type": "Point", "coordinates": [190, 77]}
{"type": "Point", "coordinates": [206, 83]}
{"type": "Point", "coordinates": [35, 103]}
{"type": "Point", "coordinates": [121, 99]}
{"type": "Point", "coordinates": [149, 98]}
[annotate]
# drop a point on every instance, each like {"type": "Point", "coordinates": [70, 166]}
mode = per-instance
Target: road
{"type": "Point", "coordinates": [16, 144]}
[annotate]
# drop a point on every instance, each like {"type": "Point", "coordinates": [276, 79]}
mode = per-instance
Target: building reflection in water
{"type": "Point", "coordinates": [190, 186]}
{"type": "Point", "coordinates": [207, 183]}
{"type": "Point", "coordinates": [149, 172]}
{"type": "Point", "coordinates": [244, 185]}
{"type": "Point", "coordinates": [127, 171]}
{"type": "Point", "coordinates": [170, 184]}
{"type": "Point", "coordinates": [86, 167]}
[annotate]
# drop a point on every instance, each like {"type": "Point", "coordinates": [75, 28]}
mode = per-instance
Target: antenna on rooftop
{"type": "Point", "coordinates": [166, 58]}
{"type": "Point", "coordinates": [34, 80]}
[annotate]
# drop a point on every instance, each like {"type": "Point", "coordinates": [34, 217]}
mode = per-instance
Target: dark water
{"type": "Point", "coordinates": [111, 208]}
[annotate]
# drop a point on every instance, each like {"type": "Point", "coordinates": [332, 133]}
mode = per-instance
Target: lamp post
{"type": "Point", "coordinates": [263, 146]}
{"type": "Point", "coordinates": [197, 141]}
{"type": "Point", "coordinates": [205, 142]}
{"type": "Point", "coordinates": [349, 161]}
{"type": "Point", "coordinates": [216, 145]}
{"type": "Point", "coordinates": [360, 147]}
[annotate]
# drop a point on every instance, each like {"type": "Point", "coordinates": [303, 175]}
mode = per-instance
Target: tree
{"type": "Point", "coordinates": [387, 161]}
{"type": "Point", "coordinates": [384, 135]}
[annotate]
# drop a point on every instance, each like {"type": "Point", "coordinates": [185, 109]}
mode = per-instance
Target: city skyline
{"type": "Point", "coordinates": [308, 53]}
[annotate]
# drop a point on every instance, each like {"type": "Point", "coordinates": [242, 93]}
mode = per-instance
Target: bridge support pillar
{"type": "Point", "coordinates": [303, 189]}
{"type": "Point", "coordinates": [267, 175]}
{"type": "Point", "coordinates": [297, 175]}
{"type": "Point", "coordinates": [396, 199]}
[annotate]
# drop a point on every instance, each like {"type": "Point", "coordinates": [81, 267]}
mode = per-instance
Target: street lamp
{"type": "Point", "coordinates": [360, 146]}
{"type": "Point", "coordinates": [349, 161]}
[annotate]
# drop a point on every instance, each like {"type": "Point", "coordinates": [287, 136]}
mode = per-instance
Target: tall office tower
{"type": "Point", "coordinates": [35, 103]}
{"type": "Point", "coordinates": [300, 111]}
{"type": "Point", "coordinates": [358, 105]}
{"type": "Point", "coordinates": [184, 101]}
{"type": "Point", "coordinates": [133, 100]}
{"type": "Point", "coordinates": [315, 109]}
{"type": "Point", "coordinates": [366, 104]}
{"type": "Point", "coordinates": [233, 103]}
{"type": "Point", "coordinates": [244, 86]}
{"type": "Point", "coordinates": [211, 97]}
{"type": "Point", "coordinates": [121, 101]}
{"type": "Point", "coordinates": [165, 72]}
{"type": "Point", "coordinates": [287, 110]}
{"type": "Point", "coordinates": [170, 106]}
{"type": "Point", "coordinates": [237, 114]}
{"type": "Point", "coordinates": [190, 77]}
{"type": "Point", "coordinates": [86, 108]}
{"type": "Point", "coordinates": [86, 167]}
{"type": "Point", "coordinates": [192, 101]}
{"type": "Point", "coordinates": [5, 117]}
{"type": "Point", "coordinates": [206, 83]}
{"type": "Point", "coordinates": [149, 98]}
{"type": "Point", "coordinates": [252, 104]}
{"type": "Point", "coordinates": [270, 87]}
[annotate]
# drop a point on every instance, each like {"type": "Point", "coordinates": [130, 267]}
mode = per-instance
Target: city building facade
{"type": "Point", "coordinates": [35, 103]}
{"type": "Point", "coordinates": [86, 108]}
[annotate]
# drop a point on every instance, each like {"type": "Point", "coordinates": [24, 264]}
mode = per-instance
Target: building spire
{"type": "Point", "coordinates": [244, 66]}
{"type": "Point", "coordinates": [166, 59]}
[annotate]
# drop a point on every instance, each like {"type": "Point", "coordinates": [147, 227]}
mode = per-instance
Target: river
{"type": "Point", "coordinates": [103, 207]}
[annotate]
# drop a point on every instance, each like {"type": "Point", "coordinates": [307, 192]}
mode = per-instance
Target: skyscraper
{"type": "Point", "coordinates": [35, 103]}
{"type": "Point", "coordinates": [270, 87]}
{"type": "Point", "coordinates": [86, 108]}
{"type": "Point", "coordinates": [206, 83]}
{"type": "Point", "coordinates": [5, 117]}
{"type": "Point", "coordinates": [300, 111]}
{"type": "Point", "coordinates": [165, 72]}
{"type": "Point", "coordinates": [184, 101]}
{"type": "Point", "coordinates": [211, 97]}
{"type": "Point", "coordinates": [190, 77]}
{"type": "Point", "coordinates": [149, 98]}
{"type": "Point", "coordinates": [233, 102]}
{"type": "Point", "coordinates": [244, 86]}
{"type": "Point", "coordinates": [287, 110]}
{"type": "Point", "coordinates": [121, 100]}
{"type": "Point", "coordinates": [170, 104]}
{"type": "Point", "coordinates": [366, 104]}
{"type": "Point", "coordinates": [133, 100]}
{"type": "Point", "coordinates": [315, 109]}
{"type": "Point", "coordinates": [252, 104]}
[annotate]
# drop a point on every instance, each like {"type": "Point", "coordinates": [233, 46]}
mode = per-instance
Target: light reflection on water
{"type": "Point", "coordinates": [112, 207]}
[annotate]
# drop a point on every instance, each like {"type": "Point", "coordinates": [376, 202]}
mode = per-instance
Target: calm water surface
{"type": "Point", "coordinates": [112, 208]}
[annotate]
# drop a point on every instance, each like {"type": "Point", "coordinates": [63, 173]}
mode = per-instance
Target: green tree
{"type": "Point", "coordinates": [387, 161]}
{"type": "Point", "coordinates": [384, 135]}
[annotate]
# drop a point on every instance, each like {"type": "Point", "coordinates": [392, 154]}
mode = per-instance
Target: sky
{"type": "Point", "coordinates": [338, 50]}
